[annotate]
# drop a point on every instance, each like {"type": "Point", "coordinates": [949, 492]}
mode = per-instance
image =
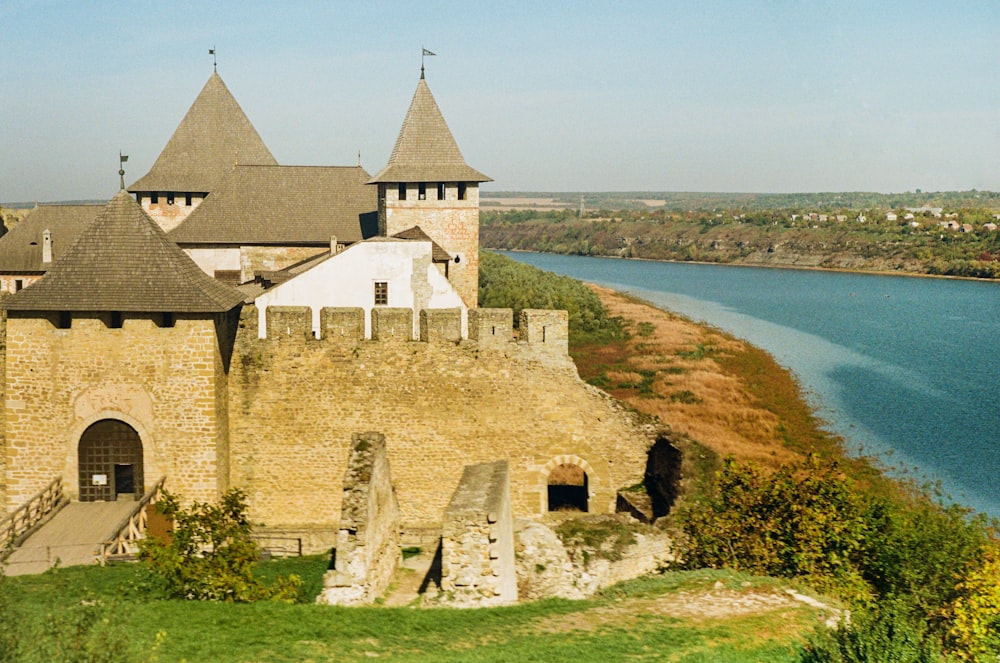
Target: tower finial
{"type": "Point", "coordinates": [215, 61]}
{"type": "Point", "coordinates": [122, 158]}
{"type": "Point", "coordinates": [424, 53]}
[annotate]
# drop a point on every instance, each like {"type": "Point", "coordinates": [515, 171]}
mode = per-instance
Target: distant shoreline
{"type": "Point", "coordinates": [804, 268]}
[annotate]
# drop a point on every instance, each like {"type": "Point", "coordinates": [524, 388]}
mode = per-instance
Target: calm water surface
{"type": "Point", "coordinates": [905, 368]}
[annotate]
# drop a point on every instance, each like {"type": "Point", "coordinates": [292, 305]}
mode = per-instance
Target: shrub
{"type": "Point", "coordinates": [975, 613]}
{"type": "Point", "coordinates": [210, 554]}
{"type": "Point", "coordinates": [888, 633]}
{"type": "Point", "coordinates": [804, 520]}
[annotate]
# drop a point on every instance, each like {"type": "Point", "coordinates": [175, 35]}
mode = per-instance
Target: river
{"type": "Point", "coordinates": [906, 369]}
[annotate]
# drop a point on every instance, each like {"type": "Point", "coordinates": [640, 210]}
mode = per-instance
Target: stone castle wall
{"type": "Point", "coordinates": [168, 383]}
{"type": "Point", "coordinates": [295, 403]}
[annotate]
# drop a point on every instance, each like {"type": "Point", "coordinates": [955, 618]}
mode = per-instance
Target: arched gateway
{"type": "Point", "coordinates": [110, 455]}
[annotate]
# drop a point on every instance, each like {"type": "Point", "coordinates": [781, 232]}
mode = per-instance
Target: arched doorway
{"type": "Point", "coordinates": [568, 489]}
{"type": "Point", "coordinates": [110, 459]}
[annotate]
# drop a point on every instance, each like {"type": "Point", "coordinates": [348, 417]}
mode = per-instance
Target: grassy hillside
{"type": "Point", "coordinates": [95, 614]}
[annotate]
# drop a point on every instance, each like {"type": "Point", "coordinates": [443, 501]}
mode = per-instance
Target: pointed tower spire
{"type": "Point", "coordinates": [425, 149]}
{"type": "Point", "coordinates": [200, 152]}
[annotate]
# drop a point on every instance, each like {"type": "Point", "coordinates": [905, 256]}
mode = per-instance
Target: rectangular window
{"type": "Point", "coordinates": [170, 198]}
{"type": "Point", "coordinates": [422, 191]}
{"type": "Point", "coordinates": [187, 200]}
{"type": "Point", "coordinates": [167, 320]}
{"type": "Point", "coordinates": [402, 191]}
{"type": "Point", "coordinates": [440, 190]}
{"type": "Point", "coordinates": [65, 320]}
{"type": "Point", "coordinates": [116, 320]}
{"type": "Point", "coordinates": [154, 198]}
{"type": "Point", "coordinates": [18, 285]}
{"type": "Point", "coordinates": [461, 190]}
{"type": "Point", "coordinates": [381, 293]}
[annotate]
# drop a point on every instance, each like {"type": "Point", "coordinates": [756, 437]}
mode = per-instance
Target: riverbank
{"type": "Point", "coordinates": [726, 394]}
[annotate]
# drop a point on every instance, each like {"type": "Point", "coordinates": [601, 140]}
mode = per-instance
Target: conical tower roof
{"type": "Point", "coordinates": [213, 136]}
{"type": "Point", "coordinates": [123, 261]}
{"type": "Point", "coordinates": [425, 150]}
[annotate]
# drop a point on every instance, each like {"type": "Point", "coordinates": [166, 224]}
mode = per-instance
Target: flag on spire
{"type": "Point", "coordinates": [423, 54]}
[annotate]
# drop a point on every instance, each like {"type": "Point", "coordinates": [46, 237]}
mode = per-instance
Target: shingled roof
{"type": "Point", "coordinates": [124, 262]}
{"type": "Point", "coordinates": [21, 248]}
{"type": "Point", "coordinates": [213, 136]}
{"type": "Point", "coordinates": [438, 254]}
{"type": "Point", "coordinates": [425, 150]}
{"type": "Point", "coordinates": [284, 205]}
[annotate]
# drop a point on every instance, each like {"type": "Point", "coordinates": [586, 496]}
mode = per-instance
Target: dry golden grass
{"type": "Point", "coordinates": [725, 394]}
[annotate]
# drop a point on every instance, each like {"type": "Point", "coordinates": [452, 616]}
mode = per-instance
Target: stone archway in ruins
{"type": "Point", "coordinates": [110, 462]}
{"type": "Point", "coordinates": [569, 484]}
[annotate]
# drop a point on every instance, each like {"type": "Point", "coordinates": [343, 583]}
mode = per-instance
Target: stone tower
{"type": "Point", "coordinates": [428, 184]}
{"type": "Point", "coordinates": [213, 137]}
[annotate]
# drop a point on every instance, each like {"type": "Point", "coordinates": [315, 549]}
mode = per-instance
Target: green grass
{"type": "Point", "coordinates": [148, 629]}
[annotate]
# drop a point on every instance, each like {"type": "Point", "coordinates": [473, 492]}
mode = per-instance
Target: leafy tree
{"type": "Point", "coordinates": [507, 283]}
{"type": "Point", "coordinates": [210, 554]}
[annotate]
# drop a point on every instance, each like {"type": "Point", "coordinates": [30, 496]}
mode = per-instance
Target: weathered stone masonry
{"type": "Point", "coordinates": [368, 541]}
{"type": "Point", "coordinates": [168, 383]}
{"type": "Point", "coordinates": [295, 403]}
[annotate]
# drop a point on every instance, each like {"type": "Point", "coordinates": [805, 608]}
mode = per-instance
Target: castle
{"type": "Point", "coordinates": [230, 322]}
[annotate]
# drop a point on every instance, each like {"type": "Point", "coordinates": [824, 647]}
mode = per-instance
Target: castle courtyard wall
{"type": "Point", "coordinates": [295, 403]}
{"type": "Point", "coordinates": [164, 381]}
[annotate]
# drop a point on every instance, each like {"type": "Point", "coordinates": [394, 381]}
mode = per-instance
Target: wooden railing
{"type": "Point", "coordinates": [43, 503]}
{"type": "Point", "coordinates": [132, 527]}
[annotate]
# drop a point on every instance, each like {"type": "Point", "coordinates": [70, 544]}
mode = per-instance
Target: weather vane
{"type": "Point", "coordinates": [215, 62]}
{"type": "Point", "coordinates": [422, 56]}
{"type": "Point", "coordinates": [122, 158]}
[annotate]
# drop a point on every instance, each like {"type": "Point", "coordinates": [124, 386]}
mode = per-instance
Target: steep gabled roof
{"type": "Point", "coordinates": [124, 262]}
{"type": "Point", "coordinates": [21, 248]}
{"type": "Point", "coordinates": [438, 254]}
{"type": "Point", "coordinates": [425, 150]}
{"type": "Point", "coordinates": [213, 136]}
{"type": "Point", "coordinates": [284, 205]}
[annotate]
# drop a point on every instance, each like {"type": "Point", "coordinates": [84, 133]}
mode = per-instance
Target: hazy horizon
{"type": "Point", "coordinates": [714, 97]}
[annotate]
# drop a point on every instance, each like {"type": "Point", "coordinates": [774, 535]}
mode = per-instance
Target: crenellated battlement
{"type": "Point", "coordinates": [541, 330]}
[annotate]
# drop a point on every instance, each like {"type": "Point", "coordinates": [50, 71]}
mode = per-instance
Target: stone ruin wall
{"type": "Point", "coordinates": [4, 508]}
{"type": "Point", "coordinates": [295, 403]}
{"type": "Point", "coordinates": [165, 382]}
{"type": "Point", "coordinates": [368, 541]}
{"type": "Point", "coordinates": [477, 539]}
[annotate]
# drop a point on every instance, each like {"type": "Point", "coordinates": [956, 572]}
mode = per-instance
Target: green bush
{"type": "Point", "coordinates": [210, 553]}
{"type": "Point", "coordinates": [890, 632]}
{"type": "Point", "coordinates": [507, 283]}
{"type": "Point", "coordinates": [805, 520]}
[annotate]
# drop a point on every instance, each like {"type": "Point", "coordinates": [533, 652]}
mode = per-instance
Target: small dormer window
{"type": "Point", "coordinates": [402, 191]}
{"type": "Point", "coordinates": [422, 191]}
{"type": "Point", "coordinates": [461, 191]}
{"type": "Point", "coordinates": [381, 293]}
{"type": "Point", "coordinates": [440, 190]}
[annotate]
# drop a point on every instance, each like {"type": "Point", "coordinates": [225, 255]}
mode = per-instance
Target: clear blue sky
{"type": "Point", "coordinates": [769, 96]}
